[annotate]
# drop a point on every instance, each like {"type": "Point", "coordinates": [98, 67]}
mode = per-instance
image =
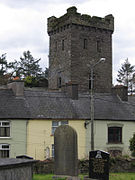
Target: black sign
{"type": "Point", "coordinates": [99, 165]}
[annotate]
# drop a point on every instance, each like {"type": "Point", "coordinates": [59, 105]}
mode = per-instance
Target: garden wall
{"type": "Point", "coordinates": [118, 164]}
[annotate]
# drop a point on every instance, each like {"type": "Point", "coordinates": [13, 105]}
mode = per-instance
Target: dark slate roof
{"type": "Point", "coordinates": [12, 106]}
{"type": "Point", "coordinates": [40, 104]}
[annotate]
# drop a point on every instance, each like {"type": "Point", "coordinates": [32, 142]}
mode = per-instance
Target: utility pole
{"type": "Point", "coordinates": [92, 101]}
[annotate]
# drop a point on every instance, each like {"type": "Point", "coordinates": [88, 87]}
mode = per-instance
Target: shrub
{"type": "Point", "coordinates": [132, 145]}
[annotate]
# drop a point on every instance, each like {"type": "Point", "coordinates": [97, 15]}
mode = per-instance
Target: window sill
{"type": "Point", "coordinates": [52, 135]}
{"type": "Point", "coordinates": [5, 137]}
{"type": "Point", "coordinates": [113, 143]}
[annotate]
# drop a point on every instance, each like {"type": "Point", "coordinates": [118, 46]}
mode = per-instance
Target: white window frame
{"type": "Point", "coordinates": [8, 126]}
{"type": "Point", "coordinates": [52, 150]}
{"type": "Point", "coordinates": [59, 123]}
{"type": "Point", "coordinates": [5, 149]}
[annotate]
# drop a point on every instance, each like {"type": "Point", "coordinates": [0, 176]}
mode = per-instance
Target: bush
{"type": "Point", "coordinates": [132, 145]}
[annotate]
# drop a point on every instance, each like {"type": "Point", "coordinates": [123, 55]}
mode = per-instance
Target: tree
{"type": "Point", "coordinates": [132, 145]}
{"type": "Point", "coordinates": [3, 64]}
{"type": "Point", "coordinates": [15, 68]}
{"type": "Point", "coordinates": [126, 75]}
{"type": "Point", "coordinates": [4, 75]}
{"type": "Point", "coordinates": [28, 65]}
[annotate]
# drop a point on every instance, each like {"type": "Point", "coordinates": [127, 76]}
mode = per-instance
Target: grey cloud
{"type": "Point", "coordinates": [34, 3]}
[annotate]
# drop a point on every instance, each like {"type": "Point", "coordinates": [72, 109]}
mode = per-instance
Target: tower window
{"type": "Point", "coordinates": [63, 45]}
{"type": "Point", "coordinates": [98, 46]}
{"type": "Point", "coordinates": [56, 45]}
{"type": "Point", "coordinates": [85, 43]}
{"type": "Point", "coordinates": [59, 82]}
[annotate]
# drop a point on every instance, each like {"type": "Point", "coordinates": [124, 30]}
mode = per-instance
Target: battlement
{"type": "Point", "coordinates": [73, 17]}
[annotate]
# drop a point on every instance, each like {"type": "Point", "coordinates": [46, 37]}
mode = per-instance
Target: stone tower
{"type": "Point", "coordinates": [76, 42]}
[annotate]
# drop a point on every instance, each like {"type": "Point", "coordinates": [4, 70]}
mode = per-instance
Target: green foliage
{"type": "Point", "coordinates": [29, 65]}
{"type": "Point", "coordinates": [132, 145]}
{"type": "Point", "coordinates": [133, 164]}
{"type": "Point", "coordinates": [126, 75]}
{"type": "Point", "coordinates": [30, 81]}
{"type": "Point", "coordinates": [4, 76]}
{"type": "Point", "coordinates": [3, 64]}
{"type": "Point", "coordinates": [15, 68]}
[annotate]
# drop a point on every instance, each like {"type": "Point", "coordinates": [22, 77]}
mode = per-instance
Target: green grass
{"type": "Point", "coordinates": [113, 176]}
{"type": "Point", "coordinates": [122, 176]}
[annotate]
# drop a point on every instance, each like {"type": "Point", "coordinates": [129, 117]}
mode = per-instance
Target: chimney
{"type": "Point", "coordinates": [17, 87]}
{"type": "Point", "coordinates": [121, 91]}
{"type": "Point", "coordinates": [72, 90]}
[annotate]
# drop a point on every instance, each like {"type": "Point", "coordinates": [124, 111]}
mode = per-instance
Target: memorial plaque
{"type": "Point", "coordinates": [99, 165]}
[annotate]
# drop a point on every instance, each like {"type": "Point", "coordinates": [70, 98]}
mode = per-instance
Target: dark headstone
{"type": "Point", "coordinates": [99, 165]}
{"type": "Point", "coordinates": [65, 151]}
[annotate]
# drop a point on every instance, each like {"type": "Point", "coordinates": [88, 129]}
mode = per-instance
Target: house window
{"type": "Point", "coordinates": [55, 124]}
{"type": "Point", "coordinates": [114, 134]}
{"type": "Point", "coordinates": [62, 45]}
{"type": "Point", "coordinates": [52, 150]}
{"type": "Point", "coordinates": [4, 150]}
{"type": "Point", "coordinates": [4, 129]}
{"type": "Point", "coordinates": [85, 43]}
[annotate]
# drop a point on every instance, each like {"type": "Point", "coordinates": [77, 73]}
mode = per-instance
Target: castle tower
{"type": "Point", "coordinates": [76, 42]}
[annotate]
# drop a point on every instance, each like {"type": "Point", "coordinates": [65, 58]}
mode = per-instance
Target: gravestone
{"type": "Point", "coordinates": [65, 151]}
{"type": "Point", "coordinates": [99, 165]}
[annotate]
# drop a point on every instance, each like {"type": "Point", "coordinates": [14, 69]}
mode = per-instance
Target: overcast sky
{"type": "Point", "coordinates": [24, 26]}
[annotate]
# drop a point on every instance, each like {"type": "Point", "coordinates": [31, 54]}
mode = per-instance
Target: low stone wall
{"type": "Point", "coordinates": [16, 169]}
{"type": "Point", "coordinates": [116, 165]}
{"type": "Point", "coordinates": [44, 167]}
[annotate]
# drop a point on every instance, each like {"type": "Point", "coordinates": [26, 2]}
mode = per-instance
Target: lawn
{"type": "Point", "coordinates": [113, 176]}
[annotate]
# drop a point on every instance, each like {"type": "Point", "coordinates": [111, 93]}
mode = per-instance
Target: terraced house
{"type": "Point", "coordinates": [29, 117]}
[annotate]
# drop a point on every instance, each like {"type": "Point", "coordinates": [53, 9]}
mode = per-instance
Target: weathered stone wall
{"type": "Point", "coordinates": [73, 62]}
{"type": "Point", "coordinates": [116, 165]}
{"type": "Point", "coordinates": [16, 173]}
{"type": "Point", "coordinates": [60, 60]}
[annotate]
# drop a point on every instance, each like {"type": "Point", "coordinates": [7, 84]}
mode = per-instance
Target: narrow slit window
{"type": "Point", "coordinates": [59, 82]}
{"type": "Point", "coordinates": [56, 45]}
{"type": "Point", "coordinates": [63, 43]}
{"type": "Point", "coordinates": [98, 46]}
{"type": "Point", "coordinates": [85, 43]}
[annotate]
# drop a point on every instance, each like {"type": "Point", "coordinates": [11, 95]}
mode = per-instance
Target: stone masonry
{"type": "Point", "coordinates": [76, 42]}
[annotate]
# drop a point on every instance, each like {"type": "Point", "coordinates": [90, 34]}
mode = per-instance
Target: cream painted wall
{"type": "Point", "coordinates": [78, 125]}
{"type": "Point", "coordinates": [39, 137]}
{"type": "Point", "coordinates": [101, 135]}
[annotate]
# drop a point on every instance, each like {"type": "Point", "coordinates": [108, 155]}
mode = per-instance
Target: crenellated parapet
{"type": "Point", "coordinates": [73, 17]}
